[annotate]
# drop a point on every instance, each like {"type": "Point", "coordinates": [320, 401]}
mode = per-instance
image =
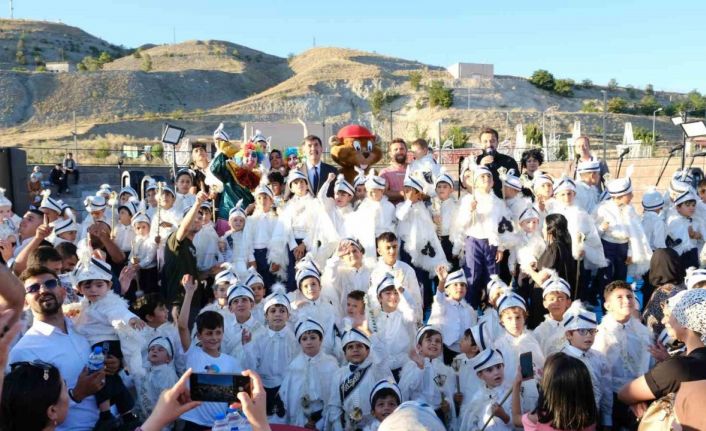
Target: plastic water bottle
{"type": "Point", "coordinates": [237, 421]}
{"type": "Point", "coordinates": [220, 424]}
{"type": "Point", "coordinates": [96, 360]}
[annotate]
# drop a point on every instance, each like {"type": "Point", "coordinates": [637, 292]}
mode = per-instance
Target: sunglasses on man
{"type": "Point", "coordinates": [49, 284]}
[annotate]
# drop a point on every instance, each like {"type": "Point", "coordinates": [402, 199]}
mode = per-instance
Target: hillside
{"type": "Point", "coordinates": [42, 41]}
{"type": "Point", "coordinates": [200, 83]}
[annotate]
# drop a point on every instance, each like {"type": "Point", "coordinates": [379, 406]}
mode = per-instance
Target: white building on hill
{"type": "Point", "coordinates": [471, 70]}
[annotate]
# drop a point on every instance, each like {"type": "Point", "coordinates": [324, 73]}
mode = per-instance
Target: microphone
{"type": "Point", "coordinates": [625, 151]}
{"type": "Point", "coordinates": [677, 148]}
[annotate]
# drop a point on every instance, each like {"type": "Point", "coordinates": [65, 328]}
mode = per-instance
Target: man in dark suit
{"type": "Point", "coordinates": [494, 160]}
{"type": "Point", "coordinates": [316, 170]}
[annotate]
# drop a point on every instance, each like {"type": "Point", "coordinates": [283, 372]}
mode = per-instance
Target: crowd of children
{"type": "Point", "coordinates": [348, 305]}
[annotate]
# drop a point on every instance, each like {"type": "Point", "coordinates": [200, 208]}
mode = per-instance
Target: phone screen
{"type": "Point", "coordinates": [218, 387]}
{"type": "Point", "coordinates": [526, 367]}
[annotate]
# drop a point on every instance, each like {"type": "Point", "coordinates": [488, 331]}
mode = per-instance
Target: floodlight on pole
{"type": "Point", "coordinates": [171, 136]}
{"type": "Point", "coordinates": [605, 121]}
{"type": "Point", "coordinates": [677, 120]}
{"type": "Point", "coordinates": [654, 118]}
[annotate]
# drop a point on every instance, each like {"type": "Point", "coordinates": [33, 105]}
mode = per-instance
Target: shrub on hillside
{"type": "Point", "coordinates": [617, 105]}
{"type": "Point", "coordinates": [613, 84]}
{"type": "Point", "coordinates": [564, 87]}
{"type": "Point", "coordinates": [440, 95]}
{"type": "Point", "coordinates": [649, 89]}
{"type": "Point", "coordinates": [533, 135]}
{"type": "Point", "coordinates": [415, 80]}
{"type": "Point", "coordinates": [458, 136]}
{"type": "Point", "coordinates": [542, 79]}
{"type": "Point", "coordinates": [146, 63]}
{"type": "Point", "coordinates": [590, 106]}
{"type": "Point", "coordinates": [648, 104]}
{"type": "Point", "coordinates": [586, 83]}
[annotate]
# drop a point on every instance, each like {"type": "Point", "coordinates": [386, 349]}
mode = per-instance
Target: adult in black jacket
{"type": "Point", "coordinates": [494, 160]}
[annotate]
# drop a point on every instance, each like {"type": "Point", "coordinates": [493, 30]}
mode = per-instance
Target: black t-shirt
{"type": "Point", "coordinates": [499, 161]}
{"type": "Point", "coordinates": [179, 259]}
{"type": "Point", "coordinates": [667, 376]}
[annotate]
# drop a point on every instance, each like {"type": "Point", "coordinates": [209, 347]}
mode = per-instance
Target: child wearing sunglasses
{"type": "Point", "coordinates": [580, 331]}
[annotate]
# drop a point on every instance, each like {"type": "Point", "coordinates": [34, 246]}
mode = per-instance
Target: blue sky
{"type": "Point", "coordinates": [635, 42]}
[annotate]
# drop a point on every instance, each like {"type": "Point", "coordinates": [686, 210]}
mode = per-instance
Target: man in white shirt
{"type": "Point", "coordinates": [52, 339]}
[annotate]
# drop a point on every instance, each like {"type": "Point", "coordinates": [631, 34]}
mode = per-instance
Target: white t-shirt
{"type": "Point", "coordinates": [201, 362]}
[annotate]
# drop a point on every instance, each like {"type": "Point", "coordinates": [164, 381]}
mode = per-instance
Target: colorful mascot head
{"type": "Point", "coordinates": [354, 146]}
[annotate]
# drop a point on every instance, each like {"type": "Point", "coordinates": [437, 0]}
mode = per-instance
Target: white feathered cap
{"type": "Point", "coordinates": [652, 199]}
{"type": "Point", "coordinates": [511, 299]}
{"type": "Point", "coordinates": [375, 182]}
{"type": "Point", "coordinates": [683, 176]}
{"type": "Point", "coordinates": [412, 415]}
{"type": "Point", "coordinates": [237, 210]}
{"type": "Point", "coordinates": [4, 202]}
{"type": "Point", "coordinates": [264, 188]}
{"type": "Point", "coordinates": [140, 217]}
{"type": "Point", "coordinates": [385, 384]}
{"type": "Point", "coordinates": [564, 183]}
{"type": "Point", "coordinates": [186, 171]}
{"type": "Point", "coordinates": [511, 179]}
{"type": "Point", "coordinates": [226, 276]}
{"type": "Point", "coordinates": [94, 203]}
{"type": "Point", "coordinates": [423, 330]}
{"type": "Point", "coordinates": [387, 280]}
{"type": "Point", "coordinates": [677, 187]}
{"type": "Point", "coordinates": [104, 189]}
{"type": "Point", "coordinates": [411, 181]}
{"type": "Point", "coordinates": [480, 170]}
{"type": "Point", "coordinates": [306, 268]}
{"type": "Point", "coordinates": [589, 166]}
{"type": "Point", "coordinates": [541, 178]}
{"type": "Point", "coordinates": [577, 317]}
{"type": "Point", "coordinates": [694, 276]}
{"type": "Point", "coordinates": [468, 165]}
{"type": "Point", "coordinates": [496, 284]}
{"type": "Point", "coordinates": [555, 284]}
{"type": "Point", "coordinates": [354, 242]}
{"type": "Point", "coordinates": [166, 188]}
{"type": "Point", "coordinates": [253, 278]}
{"type": "Point", "coordinates": [308, 325]}
{"type": "Point", "coordinates": [240, 291]}
{"type": "Point", "coordinates": [220, 135]}
{"type": "Point", "coordinates": [481, 335]}
{"type": "Point", "coordinates": [131, 206]}
{"type": "Point", "coordinates": [296, 174]}
{"type": "Point", "coordinates": [90, 268]}
{"type": "Point", "coordinates": [258, 137]}
{"type": "Point", "coordinates": [486, 359]}
{"type": "Point", "coordinates": [456, 277]}
{"type": "Point", "coordinates": [129, 190]}
{"type": "Point", "coordinates": [621, 186]}
{"type": "Point", "coordinates": [341, 185]}
{"type": "Point", "coordinates": [163, 342]}
{"type": "Point", "coordinates": [277, 297]}
{"type": "Point", "coordinates": [50, 203]}
{"type": "Point", "coordinates": [359, 179]}
{"type": "Point", "coordinates": [353, 335]}
{"type": "Point", "coordinates": [685, 197]}
{"type": "Point", "coordinates": [528, 213]}
{"type": "Point", "coordinates": [444, 178]}
{"type": "Point", "coordinates": [64, 225]}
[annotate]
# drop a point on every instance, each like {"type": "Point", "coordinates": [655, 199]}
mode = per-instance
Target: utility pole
{"type": "Point", "coordinates": [75, 133]}
{"type": "Point", "coordinates": [683, 150]}
{"type": "Point", "coordinates": [12, 11]}
{"type": "Point", "coordinates": [605, 120]}
{"type": "Point", "coordinates": [174, 35]}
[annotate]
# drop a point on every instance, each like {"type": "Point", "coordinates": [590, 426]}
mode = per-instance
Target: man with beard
{"type": "Point", "coordinates": [32, 219]}
{"type": "Point", "coordinates": [180, 259]}
{"type": "Point", "coordinates": [52, 339]}
{"type": "Point", "coordinates": [493, 160]}
{"type": "Point", "coordinates": [394, 174]}
{"type": "Point", "coordinates": [316, 170]}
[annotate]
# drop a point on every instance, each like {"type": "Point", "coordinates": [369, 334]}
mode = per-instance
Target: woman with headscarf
{"type": "Point", "coordinates": [664, 279]}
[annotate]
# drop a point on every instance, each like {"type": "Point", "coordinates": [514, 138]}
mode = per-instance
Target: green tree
{"type": "Point", "coordinates": [146, 63]}
{"type": "Point", "coordinates": [649, 90]}
{"type": "Point", "coordinates": [104, 58]}
{"type": "Point", "coordinates": [645, 135]}
{"type": "Point", "coordinates": [440, 95]}
{"type": "Point", "coordinates": [632, 93]}
{"type": "Point", "coordinates": [137, 53]}
{"type": "Point", "coordinates": [378, 99]}
{"type": "Point", "coordinates": [415, 80]}
{"type": "Point", "coordinates": [542, 79]}
{"type": "Point", "coordinates": [613, 84]}
{"type": "Point", "coordinates": [590, 106]}
{"type": "Point", "coordinates": [458, 136]}
{"type": "Point", "coordinates": [617, 105]}
{"type": "Point", "coordinates": [533, 135]}
{"type": "Point", "coordinates": [648, 104]}
{"type": "Point", "coordinates": [697, 103]}
{"type": "Point", "coordinates": [587, 83]}
{"type": "Point", "coordinates": [20, 54]}
{"type": "Point", "coordinates": [564, 87]}
{"type": "Point", "coordinates": [670, 110]}
{"type": "Point", "coordinates": [90, 64]}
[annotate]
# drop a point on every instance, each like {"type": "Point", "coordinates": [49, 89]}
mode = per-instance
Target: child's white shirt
{"type": "Point", "coordinates": [413, 229]}
{"type": "Point", "coordinates": [551, 335]}
{"type": "Point", "coordinates": [452, 317]}
{"type": "Point", "coordinates": [259, 229]}
{"type": "Point", "coordinates": [339, 280]}
{"type": "Point", "coordinates": [482, 223]}
{"type": "Point", "coordinates": [157, 378]}
{"type": "Point", "coordinates": [169, 331]}
{"type": "Point", "coordinates": [420, 385]}
{"type": "Point", "coordinates": [655, 229]}
{"type": "Point", "coordinates": [469, 383]}
{"type": "Point", "coordinates": [172, 215]}
{"type": "Point", "coordinates": [678, 229]}
{"type": "Point", "coordinates": [478, 410]}
{"type": "Point", "coordinates": [371, 219]}
{"type": "Point", "coordinates": [396, 331]}
{"type": "Point", "coordinates": [529, 251]}
{"type": "Point", "coordinates": [270, 353]}
{"type": "Point", "coordinates": [124, 235]}
{"type": "Point", "coordinates": [447, 211]}
{"type": "Point", "coordinates": [322, 311]}
{"type": "Point", "coordinates": [409, 282]}
{"type": "Point", "coordinates": [233, 335]}
{"type": "Point", "coordinates": [589, 242]}
{"type": "Point", "coordinates": [597, 365]}
{"type": "Point", "coordinates": [145, 249]}
{"type": "Point", "coordinates": [625, 347]}
{"type": "Point", "coordinates": [206, 244]}
{"type": "Point", "coordinates": [238, 251]}
{"type": "Point", "coordinates": [512, 347]}
{"type": "Point", "coordinates": [586, 197]}
{"type": "Point", "coordinates": [311, 377]}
